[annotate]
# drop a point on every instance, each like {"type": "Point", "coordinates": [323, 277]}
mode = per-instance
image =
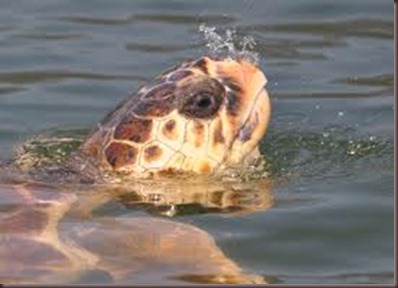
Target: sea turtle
{"type": "Point", "coordinates": [201, 117]}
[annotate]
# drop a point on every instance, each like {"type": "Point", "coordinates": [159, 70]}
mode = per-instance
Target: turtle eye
{"type": "Point", "coordinates": [201, 105]}
{"type": "Point", "coordinates": [200, 97]}
{"type": "Point", "coordinates": [204, 101]}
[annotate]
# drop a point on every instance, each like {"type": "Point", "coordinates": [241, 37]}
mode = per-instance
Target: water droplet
{"type": "Point", "coordinates": [229, 46]}
{"type": "Point", "coordinates": [172, 211]}
{"type": "Point", "coordinates": [317, 107]}
{"type": "Point", "coordinates": [341, 113]}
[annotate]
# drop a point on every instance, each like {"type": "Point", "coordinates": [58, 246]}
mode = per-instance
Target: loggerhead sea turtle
{"type": "Point", "coordinates": [201, 117]}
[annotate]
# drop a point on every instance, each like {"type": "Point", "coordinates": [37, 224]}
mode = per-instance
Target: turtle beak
{"type": "Point", "coordinates": [253, 130]}
{"type": "Point", "coordinates": [254, 114]}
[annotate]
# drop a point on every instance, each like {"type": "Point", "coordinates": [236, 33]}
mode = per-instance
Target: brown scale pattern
{"type": "Point", "coordinates": [233, 103]}
{"type": "Point", "coordinates": [175, 68]}
{"type": "Point", "coordinates": [169, 130]}
{"type": "Point", "coordinates": [204, 167]}
{"type": "Point", "coordinates": [160, 92]}
{"type": "Point", "coordinates": [201, 64]}
{"type": "Point", "coordinates": [198, 132]}
{"type": "Point", "coordinates": [179, 75]}
{"type": "Point", "coordinates": [218, 136]}
{"type": "Point", "coordinates": [134, 129]}
{"type": "Point", "coordinates": [96, 141]}
{"type": "Point", "coordinates": [152, 153]}
{"type": "Point", "coordinates": [120, 154]}
{"type": "Point", "coordinates": [154, 108]}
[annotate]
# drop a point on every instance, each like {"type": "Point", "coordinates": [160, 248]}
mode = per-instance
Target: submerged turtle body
{"type": "Point", "coordinates": [202, 116]}
{"type": "Point", "coordinates": [37, 247]}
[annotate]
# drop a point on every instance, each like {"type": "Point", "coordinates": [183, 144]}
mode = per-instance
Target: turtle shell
{"type": "Point", "coordinates": [201, 116]}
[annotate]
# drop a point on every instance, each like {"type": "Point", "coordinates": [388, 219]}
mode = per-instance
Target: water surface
{"type": "Point", "coordinates": [64, 64]}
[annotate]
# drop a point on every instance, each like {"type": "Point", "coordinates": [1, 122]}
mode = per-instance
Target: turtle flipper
{"type": "Point", "coordinates": [152, 250]}
{"type": "Point", "coordinates": [29, 239]}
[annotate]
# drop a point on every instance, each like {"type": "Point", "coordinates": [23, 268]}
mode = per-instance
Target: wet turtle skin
{"type": "Point", "coordinates": [203, 116]}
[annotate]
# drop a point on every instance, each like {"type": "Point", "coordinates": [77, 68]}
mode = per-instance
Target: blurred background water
{"type": "Point", "coordinates": [64, 64]}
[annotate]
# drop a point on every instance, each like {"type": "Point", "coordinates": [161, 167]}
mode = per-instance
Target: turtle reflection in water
{"type": "Point", "coordinates": [200, 118]}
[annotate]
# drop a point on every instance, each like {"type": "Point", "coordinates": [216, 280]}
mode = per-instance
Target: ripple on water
{"type": "Point", "coordinates": [185, 19]}
{"type": "Point", "coordinates": [373, 28]}
{"type": "Point", "coordinates": [28, 77]}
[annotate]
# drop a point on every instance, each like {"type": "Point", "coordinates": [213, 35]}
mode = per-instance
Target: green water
{"type": "Point", "coordinates": [330, 147]}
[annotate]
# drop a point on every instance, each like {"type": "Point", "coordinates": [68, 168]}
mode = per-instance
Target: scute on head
{"type": "Point", "coordinates": [202, 116]}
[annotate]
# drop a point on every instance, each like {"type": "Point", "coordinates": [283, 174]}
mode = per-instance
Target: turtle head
{"type": "Point", "coordinates": [200, 116]}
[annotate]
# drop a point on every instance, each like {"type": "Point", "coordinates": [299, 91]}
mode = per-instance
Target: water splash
{"type": "Point", "coordinates": [230, 45]}
{"type": "Point", "coordinates": [48, 148]}
{"type": "Point", "coordinates": [328, 154]}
